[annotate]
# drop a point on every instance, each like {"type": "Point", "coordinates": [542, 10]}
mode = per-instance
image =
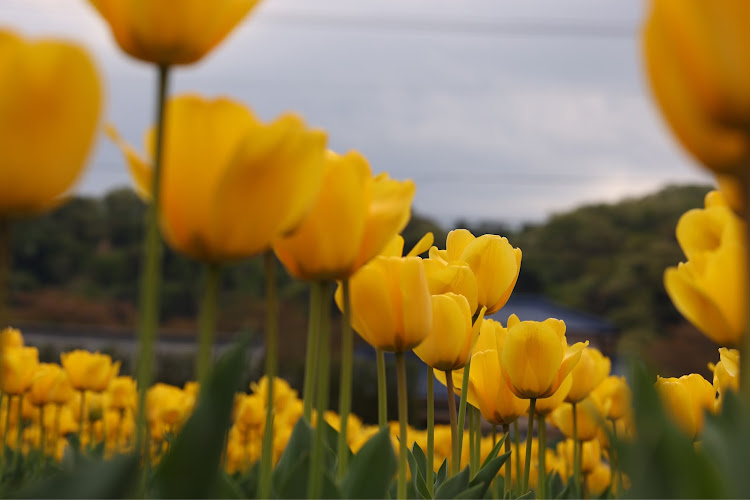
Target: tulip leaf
{"type": "Point", "coordinates": [476, 491]}
{"type": "Point", "coordinates": [191, 467]}
{"type": "Point", "coordinates": [494, 452]}
{"type": "Point", "coordinates": [371, 470]}
{"type": "Point", "coordinates": [296, 450]}
{"type": "Point", "coordinates": [454, 485]}
{"type": "Point", "coordinates": [528, 495]}
{"type": "Point", "coordinates": [228, 487]}
{"type": "Point", "coordinates": [442, 473]}
{"type": "Point", "coordinates": [486, 473]}
{"type": "Point", "coordinates": [419, 485]}
{"type": "Point", "coordinates": [420, 459]}
{"type": "Point", "coordinates": [554, 485]}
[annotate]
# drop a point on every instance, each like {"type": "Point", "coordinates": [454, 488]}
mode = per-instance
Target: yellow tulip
{"type": "Point", "coordinates": [599, 479]}
{"type": "Point", "coordinates": [50, 385]}
{"type": "Point", "coordinates": [353, 219]}
{"type": "Point", "coordinates": [50, 102]}
{"type": "Point", "coordinates": [588, 414]}
{"type": "Point", "coordinates": [10, 337]}
{"type": "Point", "coordinates": [494, 262]}
{"type": "Point", "coordinates": [160, 32]}
{"type": "Point", "coordinates": [17, 368]}
{"type": "Point", "coordinates": [165, 404]}
{"type": "Point", "coordinates": [536, 358]}
{"type": "Point", "coordinates": [591, 369]}
{"type": "Point", "coordinates": [710, 289]}
{"type": "Point", "coordinates": [452, 337]}
{"type": "Point", "coordinates": [89, 371]}
{"type": "Point", "coordinates": [391, 304]}
{"type": "Point", "coordinates": [454, 276]}
{"type": "Point", "coordinates": [591, 457]}
{"type": "Point", "coordinates": [698, 58]}
{"type": "Point", "coordinates": [230, 184]}
{"type": "Point", "coordinates": [615, 396]}
{"type": "Point", "coordinates": [686, 399]}
{"type": "Point", "coordinates": [545, 406]}
{"type": "Point", "coordinates": [727, 372]}
{"type": "Point", "coordinates": [123, 393]}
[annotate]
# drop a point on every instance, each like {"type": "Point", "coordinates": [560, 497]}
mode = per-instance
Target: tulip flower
{"type": "Point", "coordinates": [686, 399]}
{"type": "Point", "coordinates": [591, 369]}
{"type": "Point", "coordinates": [89, 371]}
{"type": "Point", "coordinates": [588, 413]}
{"type": "Point", "coordinates": [615, 396]}
{"type": "Point", "coordinates": [17, 368]}
{"type": "Point", "coordinates": [494, 262]}
{"type": "Point", "coordinates": [545, 406]}
{"type": "Point", "coordinates": [726, 373]}
{"type": "Point", "coordinates": [231, 184]}
{"type": "Point", "coordinates": [454, 276]}
{"type": "Point", "coordinates": [10, 337]}
{"type": "Point", "coordinates": [123, 393]}
{"type": "Point", "coordinates": [51, 100]}
{"type": "Point", "coordinates": [50, 385]}
{"type": "Point", "coordinates": [696, 58]}
{"type": "Point", "coordinates": [710, 288]}
{"type": "Point", "coordinates": [353, 219]}
{"type": "Point", "coordinates": [592, 454]}
{"type": "Point", "coordinates": [155, 31]}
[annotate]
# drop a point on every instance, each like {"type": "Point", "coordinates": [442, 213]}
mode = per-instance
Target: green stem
{"type": "Point", "coordinates": [542, 481]}
{"type": "Point", "coordinates": [42, 433]}
{"type": "Point", "coordinates": [81, 419]}
{"type": "Point", "coordinates": [529, 437]}
{"type": "Point", "coordinates": [508, 463]}
{"type": "Point", "coordinates": [272, 334]}
{"type": "Point", "coordinates": [345, 382]}
{"type": "Point", "coordinates": [430, 430]}
{"type": "Point", "coordinates": [519, 471]}
{"type": "Point", "coordinates": [311, 357]}
{"type": "Point", "coordinates": [402, 421]}
{"type": "Point", "coordinates": [315, 486]}
{"type": "Point", "coordinates": [207, 321]}
{"type": "Point", "coordinates": [614, 448]}
{"type": "Point", "coordinates": [58, 412]}
{"type": "Point", "coordinates": [6, 262]}
{"type": "Point", "coordinates": [455, 459]}
{"type": "Point", "coordinates": [19, 432]}
{"type": "Point", "coordinates": [382, 390]}
{"type": "Point", "coordinates": [478, 436]}
{"type": "Point", "coordinates": [148, 304]}
{"type": "Point", "coordinates": [576, 457]}
{"type": "Point", "coordinates": [472, 444]}
{"type": "Point", "coordinates": [462, 407]}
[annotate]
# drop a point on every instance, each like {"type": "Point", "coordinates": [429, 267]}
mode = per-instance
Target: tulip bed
{"type": "Point", "coordinates": [222, 186]}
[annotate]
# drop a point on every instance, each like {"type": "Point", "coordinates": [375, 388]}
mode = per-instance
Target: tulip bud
{"type": "Point", "coordinates": [686, 399]}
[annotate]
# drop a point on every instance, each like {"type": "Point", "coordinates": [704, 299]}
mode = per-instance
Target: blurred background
{"type": "Point", "coordinates": [528, 119]}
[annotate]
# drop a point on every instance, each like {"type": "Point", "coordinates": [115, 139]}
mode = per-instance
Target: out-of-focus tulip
{"type": "Point", "coordinates": [591, 457]}
{"type": "Point", "coordinates": [727, 372]}
{"type": "Point", "coordinates": [89, 371]}
{"type": "Point", "coordinates": [123, 393]}
{"type": "Point", "coordinates": [733, 192]}
{"type": "Point", "coordinates": [165, 404]}
{"type": "Point", "coordinates": [17, 368]}
{"type": "Point", "coordinates": [599, 480]}
{"type": "Point", "coordinates": [697, 57]}
{"type": "Point", "coordinates": [230, 184]}
{"type": "Point", "coordinates": [49, 110]}
{"type": "Point", "coordinates": [50, 385]}
{"type": "Point", "coordinates": [710, 289]}
{"type": "Point", "coordinates": [591, 369]}
{"type": "Point", "coordinates": [545, 406]}
{"type": "Point", "coordinates": [686, 399]}
{"type": "Point", "coordinates": [536, 357]}
{"type": "Point", "coordinates": [283, 394]}
{"type": "Point", "coordinates": [353, 219]}
{"type": "Point", "coordinates": [10, 337]}
{"type": "Point", "coordinates": [155, 31]}
{"type": "Point", "coordinates": [452, 337]}
{"type": "Point", "coordinates": [588, 414]}
{"type": "Point", "coordinates": [494, 262]}
{"type": "Point", "coordinates": [391, 304]}
{"type": "Point", "coordinates": [615, 396]}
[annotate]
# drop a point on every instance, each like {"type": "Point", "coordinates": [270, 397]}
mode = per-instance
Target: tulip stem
{"type": "Point", "coordinates": [519, 472]}
{"type": "Point", "coordinates": [345, 384]}
{"type": "Point", "coordinates": [507, 480]}
{"type": "Point", "coordinates": [430, 470]}
{"type": "Point", "coordinates": [207, 321]}
{"type": "Point", "coordinates": [542, 472]}
{"type": "Point", "coordinates": [454, 425]}
{"type": "Point", "coordinates": [472, 444]}
{"type": "Point", "coordinates": [745, 340]}
{"type": "Point", "coordinates": [478, 436]}
{"type": "Point", "coordinates": [382, 390]}
{"type": "Point", "coordinates": [529, 437]}
{"type": "Point", "coordinates": [81, 419]}
{"type": "Point", "coordinates": [19, 431]}
{"type": "Point", "coordinates": [462, 407]}
{"type": "Point", "coordinates": [7, 398]}
{"type": "Point", "coordinates": [42, 433]}
{"type": "Point", "coordinates": [576, 457]}
{"type": "Point", "coordinates": [311, 357]}
{"type": "Point", "coordinates": [6, 259]}
{"type": "Point", "coordinates": [272, 334]}
{"type": "Point", "coordinates": [402, 421]}
{"type": "Point", "coordinates": [615, 450]}
{"type": "Point", "coordinates": [148, 304]}
{"type": "Point", "coordinates": [315, 486]}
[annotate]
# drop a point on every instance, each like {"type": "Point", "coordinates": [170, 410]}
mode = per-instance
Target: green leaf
{"type": "Point", "coordinates": [114, 478]}
{"type": "Point", "coordinates": [495, 451]}
{"type": "Point", "coordinates": [191, 467]}
{"type": "Point", "coordinates": [477, 491]}
{"type": "Point", "coordinates": [454, 485]}
{"type": "Point", "coordinates": [554, 485]}
{"type": "Point", "coordinates": [485, 475]}
{"type": "Point", "coordinates": [296, 450]}
{"type": "Point", "coordinates": [371, 470]}
{"type": "Point", "coordinates": [528, 495]}
{"type": "Point", "coordinates": [420, 458]}
{"type": "Point", "coordinates": [442, 473]}
{"type": "Point", "coordinates": [227, 487]}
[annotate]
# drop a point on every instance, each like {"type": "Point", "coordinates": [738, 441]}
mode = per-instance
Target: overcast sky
{"type": "Point", "coordinates": [498, 109]}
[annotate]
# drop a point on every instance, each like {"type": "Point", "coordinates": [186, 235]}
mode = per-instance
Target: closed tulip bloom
{"type": "Point", "coordinates": [454, 276]}
{"type": "Point", "coordinates": [89, 371]}
{"type": "Point", "coordinates": [17, 368]}
{"type": "Point", "coordinates": [588, 413]}
{"type": "Point", "coordinates": [591, 369]}
{"type": "Point", "coordinates": [591, 457]}
{"type": "Point", "coordinates": [686, 400]}
{"type": "Point", "coordinates": [50, 385]}
{"type": "Point", "coordinates": [492, 259]}
{"type": "Point", "coordinates": [710, 289]}
{"type": "Point", "coordinates": [230, 184]}
{"type": "Point", "coordinates": [697, 57]}
{"type": "Point", "coordinates": [391, 304]}
{"type": "Point", "coordinates": [599, 479]}
{"type": "Point", "coordinates": [545, 406]}
{"type": "Point", "coordinates": [50, 103]}
{"type": "Point", "coordinates": [353, 219]}
{"type": "Point", "coordinates": [10, 337]}
{"type": "Point", "coordinates": [536, 357]}
{"type": "Point", "coordinates": [157, 31]}
{"type": "Point", "coordinates": [616, 397]}
{"type": "Point", "coordinates": [123, 393]}
{"type": "Point", "coordinates": [452, 337]}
